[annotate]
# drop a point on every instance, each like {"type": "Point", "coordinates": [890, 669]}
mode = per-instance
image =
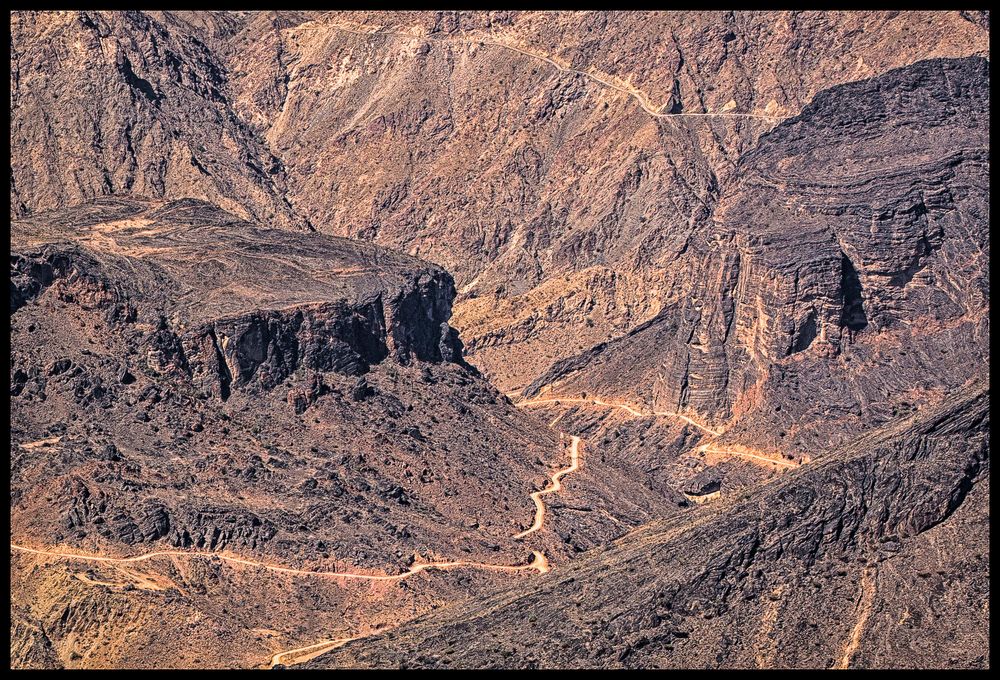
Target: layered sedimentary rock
{"type": "Point", "coordinates": [184, 380]}
{"type": "Point", "coordinates": [879, 546]}
{"type": "Point", "coordinates": [843, 276]}
{"type": "Point", "coordinates": [732, 266]}
{"type": "Point", "coordinates": [141, 108]}
{"type": "Point", "coordinates": [531, 154]}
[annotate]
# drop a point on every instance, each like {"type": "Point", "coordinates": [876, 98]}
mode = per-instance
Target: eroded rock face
{"type": "Point", "coordinates": [143, 108]}
{"type": "Point", "coordinates": [485, 142]}
{"type": "Point", "coordinates": [754, 231]}
{"type": "Point", "coordinates": [847, 205]}
{"type": "Point", "coordinates": [808, 573]}
{"type": "Point", "coordinates": [854, 232]}
{"type": "Point", "coordinates": [184, 380]}
{"type": "Point", "coordinates": [311, 328]}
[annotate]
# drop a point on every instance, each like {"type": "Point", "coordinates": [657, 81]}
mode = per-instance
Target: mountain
{"type": "Point", "coordinates": [499, 339]}
{"type": "Point", "coordinates": [842, 278]}
{"type": "Point", "coordinates": [876, 556]}
{"type": "Point", "coordinates": [534, 155]}
{"type": "Point", "coordinates": [186, 384]}
{"type": "Point", "coordinates": [185, 380]}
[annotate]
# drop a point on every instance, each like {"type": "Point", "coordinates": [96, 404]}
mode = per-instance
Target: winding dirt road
{"type": "Point", "coordinates": [302, 654]}
{"type": "Point", "coordinates": [538, 563]}
{"type": "Point", "coordinates": [554, 486]}
{"type": "Point", "coordinates": [640, 413]}
{"type": "Point", "coordinates": [603, 79]}
{"type": "Point", "coordinates": [631, 410]}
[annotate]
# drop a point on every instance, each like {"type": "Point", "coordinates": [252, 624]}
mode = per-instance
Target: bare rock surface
{"type": "Point", "coordinates": [183, 380]}
{"type": "Point", "coordinates": [499, 339]}
{"type": "Point", "coordinates": [806, 573]}
{"type": "Point", "coordinates": [535, 155]}
{"type": "Point", "coordinates": [843, 277]}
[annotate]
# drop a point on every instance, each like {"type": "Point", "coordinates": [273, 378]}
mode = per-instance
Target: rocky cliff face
{"type": "Point", "coordinates": [742, 257]}
{"type": "Point", "coordinates": [181, 379]}
{"type": "Point", "coordinates": [363, 307]}
{"type": "Point", "coordinates": [848, 240]}
{"type": "Point", "coordinates": [142, 107]}
{"type": "Point", "coordinates": [531, 154]}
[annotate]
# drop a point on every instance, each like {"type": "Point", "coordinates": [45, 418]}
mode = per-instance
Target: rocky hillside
{"type": "Point", "coordinates": [186, 381]}
{"type": "Point", "coordinates": [181, 379]}
{"type": "Point", "coordinates": [842, 279]}
{"type": "Point", "coordinates": [878, 547]}
{"type": "Point", "coordinates": [555, 163]}
{"type": "Point", "coordinates": [140, 108]}
{"type": "Point", "coordinates": [506, 339]}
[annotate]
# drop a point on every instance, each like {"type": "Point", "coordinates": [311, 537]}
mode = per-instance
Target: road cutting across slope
{"type": "Point", "coordinates": [607, 81]}
{"type": "Point", "coordinates": [303, 654]}
{"type": "Point", "coordinates": [638, 412]}
{"type": "Point", "coordinates": [780, 462]}
{"type": "Point", "coordinates": [554, 486]}
{"type": "Point", "coordinates": [538, 563]}
{"type": "Point", "coordinates": [631, 410]}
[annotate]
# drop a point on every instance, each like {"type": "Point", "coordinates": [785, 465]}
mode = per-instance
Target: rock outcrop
{"type": "Point", "coordinates": [846, 263]}
{"type": "Point", "coordinates": [516, 149]}
{"type": "Point", "coordinates": [812, 573]}
{"type": "Point", "coordinates": [359, 305]}
{"type": "Point", "coordinates": [738, 259]}
{"type": "Point", "coordinates": [185, 380]}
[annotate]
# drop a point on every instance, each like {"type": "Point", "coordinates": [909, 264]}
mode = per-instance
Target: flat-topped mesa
{"type": "Point", "coordinates": [231, 304]}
